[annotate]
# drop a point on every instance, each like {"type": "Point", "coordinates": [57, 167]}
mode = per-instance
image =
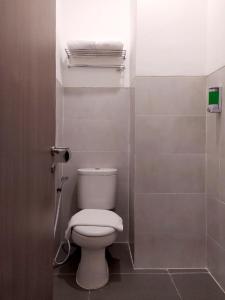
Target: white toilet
{"type": "Point", "coordinates": [96, 225]}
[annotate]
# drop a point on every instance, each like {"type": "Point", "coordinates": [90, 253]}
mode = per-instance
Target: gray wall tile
{"type": "Point", "coordinates": [222, 180]}
{"type": "Point", "coordinates": [169, 230]}
{"type": "Point", "coordinates": [213, 135]}
{"type": "Point", "coordinates": [216, 220]}
{"type": "Point", "coordinates": [92, 159]}
{"type": "Point", "coordinates": [170, 134]}
{"type": "Point", "coordinates": [59, 100]}
{"type": "Point", "coordinates": [216, 261]}
{"type": "Point", "coordinates": [96, 135]}
{"type": "Point", "coordinates": [58, 141]}
{"type": "Point", "coordinates": [170, 95]}
{"type": "Point", "coordinates": [216, 78]}
{"type": "Point", "coordinates": [212, 175]}
{"type": "Point", "coordinates": [172, 173]}
{"type": "Point", "coordinates": [122, 209]}
{"type": "Point", "coordinates": [215, 184]}
{"type": "Point", "coordinates": [169, 155]}
{"type": "Point", "coordinates": [132, 170]}
{"type": "Point", "coordinates": [59, 113]}
{"type": "Point", "coordinates": [96, 103]}
{"type": "Point", "coordinates": [96, 128]}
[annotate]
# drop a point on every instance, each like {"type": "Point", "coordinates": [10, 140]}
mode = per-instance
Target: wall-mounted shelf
{"type": "Point", "coordinates": [76, 54]}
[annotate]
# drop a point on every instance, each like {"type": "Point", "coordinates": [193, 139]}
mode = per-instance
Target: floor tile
{"type": "Point", "coordinates": [197, 287]}
{"type": "Point", "coordinates": [65, 288]}
{"type": "Point", "coordinates": [137, 286]}
{"type": "Point", "coordinates": [127, 283]}
{"type": "Point", "coordinates": [186, 271]}
{"type": "Point", "coordinates": [119, 260]}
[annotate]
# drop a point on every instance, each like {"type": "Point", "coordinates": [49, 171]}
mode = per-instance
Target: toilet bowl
{"type": "Point", "coordinates": [93, 270]}
{"type": "Point", "coordinates": [95, 226]}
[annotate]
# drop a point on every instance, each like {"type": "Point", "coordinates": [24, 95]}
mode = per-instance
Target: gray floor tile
{"type": "Point", "coordinates": [137, 287]}
{"type": "Point", "coordinates": [65, 288]}
{"type": "Point", "coordinates": [127, 283]}
{"type": "Point", "coordinates": [197, 287]}
{"type": "Point", "coordinates": [187, 271]}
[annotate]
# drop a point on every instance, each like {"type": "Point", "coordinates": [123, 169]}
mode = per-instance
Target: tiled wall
{"type": "Point", "coordinates": [163, 118]}
{"type": "Point", "coordinates": [59, 113]}
{"type": "Point", "coordinates": [96, 128]}
{"type": "Point", "coordinates": [169, 160]}
{"type": "Point", "coordinates": [58, 142]}
{"type": "Point", "coordinates": [132, 170]}
{"type": "Point", "coordinates": [215, 150]}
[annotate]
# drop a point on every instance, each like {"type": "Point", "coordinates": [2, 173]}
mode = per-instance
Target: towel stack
{"type": "Point", "coordinates": [95, 53]}
{"type": "Point", "coordinates": [94, 45]}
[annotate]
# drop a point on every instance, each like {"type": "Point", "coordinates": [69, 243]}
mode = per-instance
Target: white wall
{"type": "Point", "coordinates": [133, 32]}
{"type": "Point", "coordinates": [215, 35]}
{"type": "Point", "coordinates": [58, 41]}
{"type": "Point", "coordinates": [96, 20]}
{"type": "Point", "coordinates": [171, 37]}
{"type": "Point", "coordinates": [162, 37]}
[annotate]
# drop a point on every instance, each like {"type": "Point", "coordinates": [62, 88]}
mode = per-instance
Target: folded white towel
{"type": "Point", "coordinates": [92, 45]}
{"type": "Point", "coordinates": [109, 45]}
{"type": "Point", "coordinates": [80, 44]}
{"type": "Point", "coordinates": [94, 217]}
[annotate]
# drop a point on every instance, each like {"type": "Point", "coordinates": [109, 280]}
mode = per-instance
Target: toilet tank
{"type": "Point", "coordinates": [96, 188]}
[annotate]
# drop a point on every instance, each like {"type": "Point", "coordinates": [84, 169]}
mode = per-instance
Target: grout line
{"type": "Point", "coordinates": [172, 76]}
{"type": "Point", "coordinates": [173, 282]}
{"type": "Point", "coordinates": [99, 151]}
{"type": "Point", "coordinates": [139, 194]}
{"type": "Point", "coordinates": [188, 268]}
{"type": "Point", "coordinates": [217, 243]}
{"type": "Point", "coordinates": [96, 87]}
{"type": "Point", "coordinates": [131, 258]}
{"type": "Point", "coordinates": [216, 282]}
{"type": "Point", "coordinates": [140, 273]}
{"type": "Point", "coordinates": [202, 154]}
{"type": "Point", "coordinates": [187, 273]}
{"type": "Point", "coordinates": [206, 211]}
{"type": "Point", "coordinates": [92, 119]}
{"type": "Point", "coordinates": [63, 167]}
{"type": "Point", "coordinates": [165, 269]}
{"type": "Point", "coordinates": [170, 115]}
{"type": "Point", "coordinates": [129, 169]}
{"type": "Point", "coordinates": [206, 186]}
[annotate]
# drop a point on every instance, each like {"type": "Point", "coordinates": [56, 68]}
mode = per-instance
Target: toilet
{"type": "Point", "coordinates": [95, 226]}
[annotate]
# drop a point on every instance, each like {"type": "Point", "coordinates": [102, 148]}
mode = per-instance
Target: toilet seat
{"type": "Point", "coordinates": [93, 230]}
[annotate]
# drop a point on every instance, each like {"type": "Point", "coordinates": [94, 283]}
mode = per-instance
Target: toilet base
{"type": "Point", "coordinates": [93, 271]}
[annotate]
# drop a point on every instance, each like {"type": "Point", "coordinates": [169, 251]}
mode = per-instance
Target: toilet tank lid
{"type": "Point", "coordinates": [97, 171]}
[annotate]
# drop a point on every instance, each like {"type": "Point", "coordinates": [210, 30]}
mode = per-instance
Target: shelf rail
{"type": "Point", "coordinates": [81, 53]}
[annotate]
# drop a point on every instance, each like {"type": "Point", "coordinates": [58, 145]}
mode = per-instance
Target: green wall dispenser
{"type": "Point", "coordinates": [215, 100]}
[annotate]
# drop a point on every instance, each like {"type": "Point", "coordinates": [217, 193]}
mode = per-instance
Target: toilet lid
{"type": "Point", "coordinates": [93, 230]}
